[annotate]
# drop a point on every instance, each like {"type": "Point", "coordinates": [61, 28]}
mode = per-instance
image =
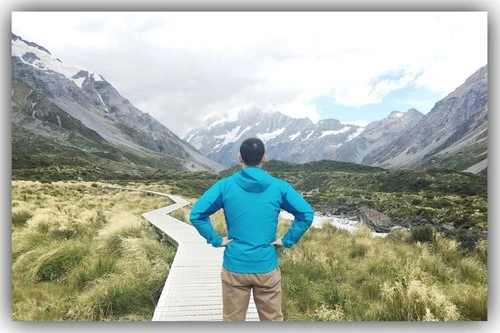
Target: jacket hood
{"type": "Point", "coordinates": [253, 179]}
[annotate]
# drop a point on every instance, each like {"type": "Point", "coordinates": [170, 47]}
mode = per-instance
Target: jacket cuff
{"type": "Point", "coordinates": [287, 244]}
{"type": "Point", "coordinates": [217, 242]}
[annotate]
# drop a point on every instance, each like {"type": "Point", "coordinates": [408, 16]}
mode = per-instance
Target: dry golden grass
{"type": "Point", "coordinates": [81, 252]}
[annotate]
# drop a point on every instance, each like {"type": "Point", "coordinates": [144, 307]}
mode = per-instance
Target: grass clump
{"type": "Point", "coordinates": [20, 217]}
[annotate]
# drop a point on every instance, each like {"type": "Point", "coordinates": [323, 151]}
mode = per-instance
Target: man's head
{"type": "Point", "coordinates": [252, 152]}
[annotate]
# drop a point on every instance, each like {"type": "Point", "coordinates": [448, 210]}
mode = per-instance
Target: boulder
{"type": "Point", "coordinates": [375, 220]}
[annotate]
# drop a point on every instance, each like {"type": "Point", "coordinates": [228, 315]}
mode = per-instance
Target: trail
{"type": "Point", "coordinates": [193, 290]}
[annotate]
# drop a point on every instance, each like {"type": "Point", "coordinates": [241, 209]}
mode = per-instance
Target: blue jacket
{"type": "Point", "coordinates": [252, 200]}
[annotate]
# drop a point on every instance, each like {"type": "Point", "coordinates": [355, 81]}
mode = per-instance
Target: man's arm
{"type": "Point", "coordinates": [296, 205]}
{"type": "Point", "coordinates": [208, 204]}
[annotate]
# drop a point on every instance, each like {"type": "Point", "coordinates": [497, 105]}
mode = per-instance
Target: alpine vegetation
{"type": "Point", "coordinates": [85, 253]}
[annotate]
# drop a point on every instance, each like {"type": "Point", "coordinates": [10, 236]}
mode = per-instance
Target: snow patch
{"type": "Point", "coordinates": [100, 98]}
{"type": "Point", "coordinates": [242, 132]}
{"type": "Point", "coordinates": [79, 81]}
{"type": "Point", "coordinates": [293, 136]}
{"type": "Point", "coordinates": [47, 62]}
{"type": "Point", "coordinates": [308, 136]}
{"type": "Point", "coordinates": [197, 145]}
{"type": "Point", "coordinates": [98, 78]}
{"type": "Point", "coordinates": [325, 133]}
{"type": "Point", "coordinates": [343, 130]}
{"type": "Point", "coordinates": [232, 136]}
{"type": "Point", "coordinates": [190, 137]}
{"type": "Point", "coordinates": [355, 134]}
{"type": "Point", "coordinates": [268, 136]}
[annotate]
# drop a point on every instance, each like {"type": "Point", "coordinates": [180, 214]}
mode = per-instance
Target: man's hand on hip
{"type": "Point", "coordinates": [277, 243]}
{"type": "Point", "coordinates": [225, 241]}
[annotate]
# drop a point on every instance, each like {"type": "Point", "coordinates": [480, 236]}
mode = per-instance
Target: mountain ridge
{"type": "Point", "coordinates": [452, 135]}
{"type": "Point", "coordinates": [86, 96]}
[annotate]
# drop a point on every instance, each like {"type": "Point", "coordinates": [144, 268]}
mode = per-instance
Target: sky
{"type": "Point", "coordinates": [184, 68]}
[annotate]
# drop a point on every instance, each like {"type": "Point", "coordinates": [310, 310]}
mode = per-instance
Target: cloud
{"type": "Point", "coordinates": [182, 66]}
{"type": "Point", "coordinates": [300, 110]}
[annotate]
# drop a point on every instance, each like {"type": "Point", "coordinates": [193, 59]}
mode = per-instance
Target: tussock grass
{"type": "Point", "coordinates": [131, 287]}
{"type": "Point", "coordinates": [50, 263]}
{"type": "Point", "coordinates": [20, 217]}
{"type": "Point", "coordinates": [85, 253]}
{"type": "Point", "coordinates": [332, 275]}
{"type": "Point", "coordinates": [414, 300]}
{"type": "Point", "coordinates": [92, 269]}
{"type": "Point", "coordinates": [23, 242]}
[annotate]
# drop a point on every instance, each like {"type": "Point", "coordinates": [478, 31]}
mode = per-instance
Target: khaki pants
{"type": "Point", "coordinates": [266, 294]}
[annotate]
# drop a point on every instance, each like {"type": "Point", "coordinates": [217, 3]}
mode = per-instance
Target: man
{"type": "Point", "coordinates": [252, 200]}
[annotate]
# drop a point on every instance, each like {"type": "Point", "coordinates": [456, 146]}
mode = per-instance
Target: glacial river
{"type": "Point", "coordinates": [341, 223]}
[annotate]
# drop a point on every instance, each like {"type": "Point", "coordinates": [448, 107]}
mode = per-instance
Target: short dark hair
{"type": "Point", "coordinates": [252, 151]}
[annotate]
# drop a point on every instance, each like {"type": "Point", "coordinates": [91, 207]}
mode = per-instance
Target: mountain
{"type": "Point", "coordinates": [76, 111]}
{"type": "Point", "coordinates": [376, 136]}
{"type": "Point", "coordinates": [297, 140]}
{"type": "Point", "coordinates": [454, 134]}
{"type": "Point", "coordinates": [286, 138]}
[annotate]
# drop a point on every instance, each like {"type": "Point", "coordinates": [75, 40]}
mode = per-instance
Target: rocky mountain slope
{"type": "Point", "coordinates": [57, 101]}
{"type": "Point", "coordinates": [453, 134]}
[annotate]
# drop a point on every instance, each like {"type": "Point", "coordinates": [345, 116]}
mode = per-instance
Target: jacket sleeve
{"type": "Point", "coordinates": [209, 203]}
{"type": "Point", "coordinates": [296, 205]}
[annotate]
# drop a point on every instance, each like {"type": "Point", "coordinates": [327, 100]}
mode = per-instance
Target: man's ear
{"type": "Point", "coordinates": [240, 159]}
{"type": "Point", "coordinates": [263, 160]}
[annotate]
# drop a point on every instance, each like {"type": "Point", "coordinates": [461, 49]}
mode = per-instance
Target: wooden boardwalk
{"type": "Point", "coordinates": [193, 290]}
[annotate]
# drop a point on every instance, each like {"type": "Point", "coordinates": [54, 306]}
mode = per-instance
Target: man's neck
{"type": "Point", "coordinates": [243, 166]}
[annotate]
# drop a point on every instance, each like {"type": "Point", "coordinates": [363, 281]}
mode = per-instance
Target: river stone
{"type": "Point", "coordinates": [374, 219]}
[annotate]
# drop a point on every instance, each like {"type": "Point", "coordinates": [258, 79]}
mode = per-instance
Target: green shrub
{"type": "Point", "coordinates": [423, 234]}
{"type": "Point", "coordinates": [416, 201]}
{"type": "Point", "coordinates": [468, 239]}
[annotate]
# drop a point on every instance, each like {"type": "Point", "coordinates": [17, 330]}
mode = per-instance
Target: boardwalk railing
{"type": "Point", "coordinates": [193, 290]}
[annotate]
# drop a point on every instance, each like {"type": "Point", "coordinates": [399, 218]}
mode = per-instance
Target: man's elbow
{"type": "Point", "coordinates": [309, 217]}
{"type": "Point", "coordinates": [194, 218]}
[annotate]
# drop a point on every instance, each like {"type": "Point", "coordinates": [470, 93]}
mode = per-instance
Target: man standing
{"type": "Point", "coordinates": [252, 200]}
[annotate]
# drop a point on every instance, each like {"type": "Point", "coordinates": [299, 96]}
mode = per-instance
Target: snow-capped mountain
{"type": "Point", "coordinates": [86, 98]}
{"type": "Point", "coordinates": [452, 135]}
{"type": "Point", "coordinates": [286, 138]}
